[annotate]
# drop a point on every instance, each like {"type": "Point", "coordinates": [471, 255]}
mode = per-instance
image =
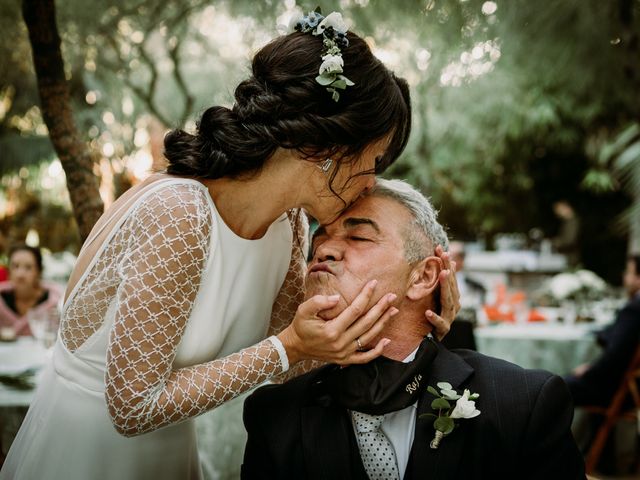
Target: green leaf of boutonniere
{"type": "Point", "coordinates": [440, 404]}
{"type": "Point", "coordinates": [444, 424]}
{"type": "Point", "coordinates": [427, 415]}
{"type": "Point", "coordinates": [433, 391]}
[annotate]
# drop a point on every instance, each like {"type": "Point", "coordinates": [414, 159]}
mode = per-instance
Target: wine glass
{"type": "Point", "coordinates": [44, 325]}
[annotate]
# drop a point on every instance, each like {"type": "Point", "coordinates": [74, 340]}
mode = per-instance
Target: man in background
{"type": "Point", "coordinates": [470, 290]}
{"type": "Point", "coordinates": [472, 296]}
{"type": "Point", "coordinates": [596, 383]}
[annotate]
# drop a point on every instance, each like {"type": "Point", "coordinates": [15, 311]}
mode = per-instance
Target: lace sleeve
{"type": "Point", "coordinates": [292, 291]}
{"type": "Point", "coordinates": [161, 272]}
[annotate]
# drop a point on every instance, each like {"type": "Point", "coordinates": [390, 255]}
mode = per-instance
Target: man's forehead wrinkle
{"type": "Point", "coordinates": [353, 222]}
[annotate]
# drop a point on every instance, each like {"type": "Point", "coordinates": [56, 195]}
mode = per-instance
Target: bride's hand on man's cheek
{"type": "Point", "coordinates": [449, 296]}
{"type": "Point", "coordinates": [339, 340]}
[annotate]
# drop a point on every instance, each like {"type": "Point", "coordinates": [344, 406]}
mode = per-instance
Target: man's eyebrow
{"type": "Point", "coordinates": [353, 222]}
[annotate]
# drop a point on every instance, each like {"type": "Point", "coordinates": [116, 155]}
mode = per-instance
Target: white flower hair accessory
{"type": "Point", "coordinates": [334, 33]}
{"type": "Point", "coordinates": [445, 421]}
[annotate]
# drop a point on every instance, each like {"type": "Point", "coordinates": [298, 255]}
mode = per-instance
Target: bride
{"type": "Point", "coordinates": [187, 291]}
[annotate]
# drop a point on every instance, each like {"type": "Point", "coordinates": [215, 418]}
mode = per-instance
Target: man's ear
{"type": "Point", "coordinates": [424, 278]}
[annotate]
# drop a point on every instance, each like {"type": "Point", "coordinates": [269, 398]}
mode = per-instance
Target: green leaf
{"type": "Point", "coordinates": [444, 386]}
{"type": "Point", "coordinates": [444, 424]}
{"type": "Point", "coordinates": [440, 404]}
{"type": "Point", "coordinates": [346, 80]}
{"type": "Point", "coordinates": [433, 391]}
{"type": "Point", "coordinates": [474, 396]}
{"type": "Point", "coordinates": [335, 96]}
{"type": "Point", "coordinates": [326, 79]}
{"type": "Point", "coordinates": [341, 84]}
{"type": "Point", "coordinates": [426, 415]}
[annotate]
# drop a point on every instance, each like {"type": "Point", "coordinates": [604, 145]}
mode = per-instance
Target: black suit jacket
{"type": "Point", "coordinates": [619, 341]}
{"type": "Point", "coordinates": [523, 431]}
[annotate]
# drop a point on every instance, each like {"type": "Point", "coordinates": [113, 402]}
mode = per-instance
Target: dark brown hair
{"type": "Point", "coordinates": [281, 105]}
{"type": "Point", "coordinates": [37, 255]}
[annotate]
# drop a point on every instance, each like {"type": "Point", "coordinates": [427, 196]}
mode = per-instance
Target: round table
{"type": "Point", "coordinates": [555, 347]}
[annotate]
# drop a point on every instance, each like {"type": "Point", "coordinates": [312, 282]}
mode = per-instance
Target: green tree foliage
{"type": "Point", "coordinates": [509, 97]}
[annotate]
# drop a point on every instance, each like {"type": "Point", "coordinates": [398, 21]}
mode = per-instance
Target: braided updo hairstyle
{"type": "Point", "coordinates": [281, 105]}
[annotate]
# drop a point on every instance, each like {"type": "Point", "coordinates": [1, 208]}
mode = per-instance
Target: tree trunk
{"type": "Point", "coordinates": [75, 156]}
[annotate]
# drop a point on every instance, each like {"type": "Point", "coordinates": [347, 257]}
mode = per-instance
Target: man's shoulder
{"type": "Point", "coordinates": [484, 363]}
{"type": "Point", "coordinates": [628, 317]}
{"type": "Point", "coordinates": [633, 304]}
{"type": "Point", "coordinates": [503, 375]}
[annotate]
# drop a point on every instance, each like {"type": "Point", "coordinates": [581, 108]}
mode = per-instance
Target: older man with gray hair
{"type": "Point", "coordinates": [419, 411]}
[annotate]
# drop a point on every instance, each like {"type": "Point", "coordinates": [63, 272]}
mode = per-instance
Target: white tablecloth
{"type": "Point", "coordinates": [221, 435]}
{"type": "Point", "coordinates": [15, 358]}
{"type": "Point", "coordinates": [555, 347]}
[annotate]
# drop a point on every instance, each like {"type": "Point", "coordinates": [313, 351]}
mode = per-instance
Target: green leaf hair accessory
{"type": "Point", "coordinates": [334, 32]}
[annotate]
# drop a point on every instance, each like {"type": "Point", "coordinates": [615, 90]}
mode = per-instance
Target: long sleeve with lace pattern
{"type": "Point", "coordinates": [166, 245]}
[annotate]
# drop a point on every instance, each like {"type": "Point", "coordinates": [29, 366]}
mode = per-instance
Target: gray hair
{"type": "Point", "coordinates": [425, 218]}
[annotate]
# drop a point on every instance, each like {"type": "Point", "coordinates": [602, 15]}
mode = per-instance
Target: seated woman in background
{"type": "Point", "coordinates": [25, 289]}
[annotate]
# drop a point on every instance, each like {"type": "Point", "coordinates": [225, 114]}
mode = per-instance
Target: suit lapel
{"type": "Point", "coordinates": [445, 461]}
{"type": "Point", "coordinates": [331, 451]}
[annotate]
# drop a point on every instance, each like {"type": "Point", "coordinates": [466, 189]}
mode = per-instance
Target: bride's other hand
{"type": "Point", "coordinates": [449, 296]}
{"type": "Point", "coordinates": [336, 340]}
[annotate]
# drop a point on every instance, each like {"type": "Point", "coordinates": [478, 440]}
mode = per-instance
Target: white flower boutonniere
{"type": "Point", "coordinates": [445, 421]}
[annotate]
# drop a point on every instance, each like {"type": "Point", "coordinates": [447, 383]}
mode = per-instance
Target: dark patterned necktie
{"type": "Point", "coordinates": [377, 453]}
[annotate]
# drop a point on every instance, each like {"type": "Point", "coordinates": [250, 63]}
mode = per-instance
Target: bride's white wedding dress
{"type": "Point", "coordinates": [148, 336]}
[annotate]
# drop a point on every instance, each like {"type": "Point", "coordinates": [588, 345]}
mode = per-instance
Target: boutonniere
{"type": "Point", "coordinates": [449, 412]}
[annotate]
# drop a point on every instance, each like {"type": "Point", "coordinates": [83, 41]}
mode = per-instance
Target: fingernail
{"type": "Point", "coordinates": [392, 297]}
{"type": "Point", "coordinates": [429, 313]}
{"type": "Point", "coordinates": [385, 342]}
{"type": "Point", "coordinates": [334, 298]}
{"type": "Point", "coordinates": [393, 311]}
{"type": "Point", "coordinates": [373, 283]}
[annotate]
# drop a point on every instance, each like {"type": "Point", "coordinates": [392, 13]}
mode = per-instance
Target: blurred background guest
{"type": "Point", "coordinates": [472, 292]}
{"type": "Point", "coordinates": [596, 383]}
{"type": "Point", "coordinates": [472, 296]}
{"type": "Point", "coordinates": [25, 290]}
{"type": "Point", "coordinates": [567, 240]}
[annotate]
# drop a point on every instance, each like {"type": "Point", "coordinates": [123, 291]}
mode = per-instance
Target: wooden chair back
{"type": "Point", "coordinates": [614, 412]}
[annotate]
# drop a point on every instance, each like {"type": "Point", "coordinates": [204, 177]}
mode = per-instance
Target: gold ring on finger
{"type": "Point", "coordinates": [359, 344]}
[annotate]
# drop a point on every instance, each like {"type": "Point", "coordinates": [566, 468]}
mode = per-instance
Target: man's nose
{"type": "Point", "coordinates": [330, 250]}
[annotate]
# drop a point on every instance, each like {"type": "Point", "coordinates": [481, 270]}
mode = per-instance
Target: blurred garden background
{"type": "Point", "coordinates": [517, 105]}
{"type": "Point", "coordinates": [526, 135]}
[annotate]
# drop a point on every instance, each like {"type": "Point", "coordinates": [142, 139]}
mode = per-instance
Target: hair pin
{"type": "Point", "coordinates": [326, 165]}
